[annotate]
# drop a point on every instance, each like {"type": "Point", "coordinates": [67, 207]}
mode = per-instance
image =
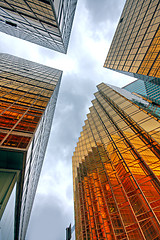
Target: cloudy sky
{"type": "Point", "coordinates": [92, 32]}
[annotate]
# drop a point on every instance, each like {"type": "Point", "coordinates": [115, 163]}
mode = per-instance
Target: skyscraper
{"type": "Point", "coordinates": [45, 22]}
{"type": "Point", "coordinates": [116, 169]}
{"type": "Point", "coordinates": [135, 47]}
{"type": "Point", "coordinates": [28, 97]}
{"type": "Point", "coordinates": [149, 91]}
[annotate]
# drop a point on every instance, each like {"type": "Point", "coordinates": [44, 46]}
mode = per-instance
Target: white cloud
{"type": "Point", "coordinates": [56, 180]}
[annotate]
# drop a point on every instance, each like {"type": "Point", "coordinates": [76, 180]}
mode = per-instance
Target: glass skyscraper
{"type": "Point", "coordinates": [45, 22]}
{"type": "Point", "coordinates": [135, 47]}
{"type": "Point", "coordinates": [116, 169]}
{"type": "Point", "coordinates": [149, 91]}
{"type": "Point", "coordinates": [116, 163]}
{"type": "Point", "coordinates": [28, 98]}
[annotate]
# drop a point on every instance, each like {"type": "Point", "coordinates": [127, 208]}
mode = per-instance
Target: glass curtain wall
{"type": "Point", "coordinates": [28, 98]}
{"type": "Point", "coordinates": [136, 43]}
{"type": "Point", "coordinates": [116, 171]}
{"type": "Point", "coordinates": [44, 22]}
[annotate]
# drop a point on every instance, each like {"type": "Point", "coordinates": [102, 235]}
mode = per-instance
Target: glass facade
{"type": "Point", "coordinates": [7, 221]}
{"type": "Point", "coordinates": [149, 91]}
{"type": "Point", "coordinates": [137, 86]}
{"type": "Point", "coordinates": [116, 170]}
{"type": "Point", "coordinates": [145, 88]}
{"type": "Point", "coordinates": [45, 22]}
{"type": "Point", "coordinates": [28, 97]}
{"type": "Point", "coordinates": [136, 44]}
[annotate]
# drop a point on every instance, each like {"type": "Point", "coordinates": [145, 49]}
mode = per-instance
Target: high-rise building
{"type": "Point", "coordinates": [144, 88]}
{"type": "Point", "coordinates": [135, 50]}
{"type": "Point", "coordinates": [116, 169]}
{"type": "Point", "coordinates": [28, 94]}
{"type": "Point", "coordinates": [68, 233]}
{"type": "Point", "coordinates": [135, 46]}
{"type": "Point", "coordinates": [45, 22]}
{"type": "Point", "coordinates": [149, 91]}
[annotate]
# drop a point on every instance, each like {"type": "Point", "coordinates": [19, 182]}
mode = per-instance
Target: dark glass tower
{"type": "Point", "coordinates": [135, 47]}
{"type": "Point", "coordinates": [28, 98]}
{"type": "Point", "coordinates": [45, 22]}
{"type": "Point", "coordinates": [116, 169]}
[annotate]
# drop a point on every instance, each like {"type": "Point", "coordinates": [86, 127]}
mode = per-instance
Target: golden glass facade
{"type": "Point", "coordinates": [116, 170]}
{"type": "Point", "coordinates": [28, 93]}
{"type": "Point", "coordinates": [45, 22]}
{"type": "Point", "coordinates": [136, 44]}
{"type": "Point", "coordinates": [25, 93]}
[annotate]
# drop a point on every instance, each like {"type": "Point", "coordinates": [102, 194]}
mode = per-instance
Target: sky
{"type": "Point", "coordinates": [92, 32]}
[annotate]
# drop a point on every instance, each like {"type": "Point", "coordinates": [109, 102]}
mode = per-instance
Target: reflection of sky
{"type": "Point", "coordinates": [149, 90]}
{"type": "Point", "coordinates": [129, 95]}
{"type": "Point", "coordinates": [138, 87]}
{"type": "Point", "coordinates": [93, 29]}
{"type": "Point", "coordinates": [7, 220]}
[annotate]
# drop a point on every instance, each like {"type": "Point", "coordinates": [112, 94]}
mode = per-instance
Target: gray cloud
{"type": "Point", "coordinates": [74, 99]}
{"type": "Point", "coordinates": [49, 220]}
{"type": "Point", "coordinates": [104, 10]}
{"type": "Point", "coordinates": [69, 193]}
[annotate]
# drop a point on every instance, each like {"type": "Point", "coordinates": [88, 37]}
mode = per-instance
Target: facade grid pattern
{"type": "Point", "coordinates": [44, 22]}
{"type": "Point", "coordinates": [149, 91]}
{"type": "Point", "coordinates": [136, 44]}
{"type": "Point", "coordinates": [116, 178]}
{"type": "Point", "coordinates": [28, 98]}
{"type": "Point", "coordinates": [25, 92]}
